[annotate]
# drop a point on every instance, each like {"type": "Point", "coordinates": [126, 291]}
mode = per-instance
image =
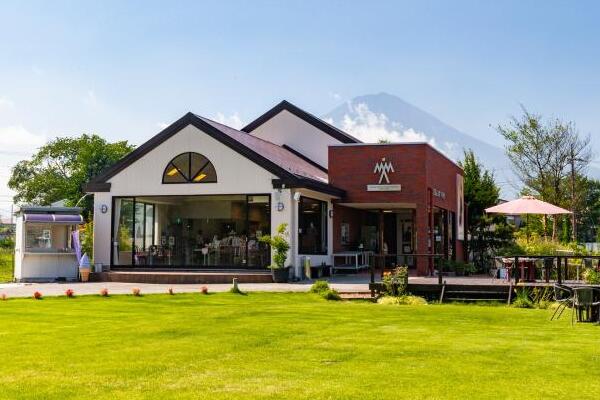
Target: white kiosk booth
{"type": "Point", "coordinates": [43, 245]}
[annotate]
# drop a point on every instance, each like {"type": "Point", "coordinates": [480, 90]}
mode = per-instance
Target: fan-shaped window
{"type": "Point", "coordinates": [190, 168]}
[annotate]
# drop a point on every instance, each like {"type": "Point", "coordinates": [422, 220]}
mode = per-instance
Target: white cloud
{"type": "Point", "coordinates": [371, 127]}
{"type": "Point", "coordinates": [18, 140]}
{"type": "Point", "coordinates": [233, 120]}
{"type": "Point", "coordinates": [6, 103]}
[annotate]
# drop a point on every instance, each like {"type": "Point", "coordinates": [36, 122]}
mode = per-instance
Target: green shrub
{"type": "Point", "coordinates": [459, 268]}
{"type": "Point", "coordinates": [7, 243]}
{"type": "Point", "coordinates": [319, 287]}
{"type": "Point", "coordinates": [322, 289]}
{"type": "Point", "coordinates": [330, 294]}
{"type": "Point", "coordinates": [544, 304]}
{"type": "Point", "coordinates": [522, 299]}
{"type": "Point", "coordinates": [402, 300]}
{"type": "Point", "coordinates": [395, 282]}
{"type": "Point", "coordinates": [536, 245]}
{"type": "Point", "coordinates": [280, 245]}
{"type": "Point", "coordinates": [541, 296]}
{"type": "Point", "coordinates": [522, 303]}
{"type": "Point", "coordinates": [87, 240]}
{"type": "Point", "coordinates": [591, 276]}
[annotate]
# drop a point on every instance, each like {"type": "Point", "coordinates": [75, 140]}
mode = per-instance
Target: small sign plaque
{"type": "Point", "coordinates": [384, 188]}
{"type": "Point", "coordinates": [439, 193]}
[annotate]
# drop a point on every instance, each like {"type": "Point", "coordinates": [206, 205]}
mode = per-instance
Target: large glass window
{"type": "Point", "coordinates": [440, 231]}
{"type": "Point", "coordinates": [312, 226]}
{"type": "Point", "coordinates": [192, 231]}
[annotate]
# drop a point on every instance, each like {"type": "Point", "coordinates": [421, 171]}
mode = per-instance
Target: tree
{"type": "Point", "coordinates": [547, 156]}
{"type": "Point", "coordinates": [61, 167]}
{"type": "Point", "coordinates": [484, 233]}
{"type": "Point", "coordinates": [588, 218]}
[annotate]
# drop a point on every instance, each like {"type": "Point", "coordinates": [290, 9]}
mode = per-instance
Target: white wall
{"type": "Point", "coordinates": [235, 173]}
{"type": "Point", "coordinates": [102, 226]}
{"type": "Point", "coordinates": [286, 128]}
{"type": "Point", "coordinates": [19, 246]}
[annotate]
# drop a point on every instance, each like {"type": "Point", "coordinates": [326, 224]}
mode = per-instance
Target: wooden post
{"type": "Point", "coordinates": [558, 269]}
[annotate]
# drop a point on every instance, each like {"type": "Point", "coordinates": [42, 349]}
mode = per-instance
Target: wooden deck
{"type": "Point", "coordinates": [467, 289]}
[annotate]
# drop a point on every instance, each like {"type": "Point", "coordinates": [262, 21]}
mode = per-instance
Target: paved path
{"type": "Point", "coordinates": [357, 283]}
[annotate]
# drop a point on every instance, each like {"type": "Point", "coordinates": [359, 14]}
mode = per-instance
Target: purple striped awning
{"type": "Point", "coordinates": [54, 218]}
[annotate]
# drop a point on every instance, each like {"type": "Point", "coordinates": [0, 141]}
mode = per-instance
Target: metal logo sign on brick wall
{"type": "Point", "coordinates": [384, 168]}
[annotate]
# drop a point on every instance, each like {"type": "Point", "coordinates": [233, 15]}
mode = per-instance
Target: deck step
{"type": "Point", "coordinates": [180, 277]}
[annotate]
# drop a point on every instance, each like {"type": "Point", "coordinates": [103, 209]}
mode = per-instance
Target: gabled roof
{"type": "Point", "coordinates": [291, 169]}
{"type": "Point", "coordinates": [318, 123]}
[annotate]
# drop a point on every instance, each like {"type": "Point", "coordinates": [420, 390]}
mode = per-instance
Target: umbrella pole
{"type": "Point", "coordinates": [527, 227]}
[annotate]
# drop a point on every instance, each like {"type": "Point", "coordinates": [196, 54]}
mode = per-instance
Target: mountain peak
{"type": "Point", "coordinates": [373, 117]}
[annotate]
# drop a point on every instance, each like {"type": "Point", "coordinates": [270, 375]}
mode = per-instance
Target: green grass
{"type": "Point", "coordinates": [289, 346]}
{"type": "Point", "coordinates": [6, 266]}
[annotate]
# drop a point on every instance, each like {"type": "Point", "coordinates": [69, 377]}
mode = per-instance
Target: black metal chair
{"type": "Point", "coordinates": [563, 295]}
{"type": "Point", "coordinates": [584, 300]}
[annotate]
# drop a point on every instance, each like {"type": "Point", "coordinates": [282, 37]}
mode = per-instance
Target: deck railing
{"type": "Point", "coordinates": [552, 265]}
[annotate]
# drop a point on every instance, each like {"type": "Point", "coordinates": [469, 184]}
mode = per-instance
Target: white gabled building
{"type": "Point", "coordinates": [200, 193]}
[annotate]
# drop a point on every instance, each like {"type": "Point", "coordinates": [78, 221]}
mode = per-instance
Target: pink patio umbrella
{"type": "Point", "coordinates": [526, 205]}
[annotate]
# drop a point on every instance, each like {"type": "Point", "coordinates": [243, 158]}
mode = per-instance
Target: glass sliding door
{"type": "Point", "coordinates": [123, 217]}
{"type": "Point", "coordinates": [220, 231]}
{"type": "Point", "coordinates": [143, 232]}
{"type": "Point", "coordinates": [148, 226]}
{"type": "Point", "coordinates": [259, 224]}
{"type": "Point", "coordinates": [312, 229]}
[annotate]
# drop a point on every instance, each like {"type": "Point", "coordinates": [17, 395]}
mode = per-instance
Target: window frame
{"type": "Point", "coordinates": [134, 201]}
{"type": "Point", "coordinates": [324, 213]}
{"type": "Point", "coordinates": [189, 178]}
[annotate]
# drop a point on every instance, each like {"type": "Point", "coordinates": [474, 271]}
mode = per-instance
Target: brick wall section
{"type": "Point", "coordinates": [441, 175]}
{"type": "Point", "coordinates": [417, 168]}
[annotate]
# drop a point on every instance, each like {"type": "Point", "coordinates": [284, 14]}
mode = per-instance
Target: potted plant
{"type": "Point", "coordinates": [280, 246]}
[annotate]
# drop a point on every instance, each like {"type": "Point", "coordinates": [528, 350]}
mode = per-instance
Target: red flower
{"type": "Point", "coordinates": [70, 293]}
{"type": "Point", "coordinates": [104, 292]}
{"type": "Point", "coordinates": [37, 295]}
{"type": "Point", "coordinates": [204, 290]}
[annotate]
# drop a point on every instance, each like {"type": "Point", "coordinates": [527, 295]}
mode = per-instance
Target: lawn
{"type": "Point", "coordinates": [289, 346]}
{"type": "Point", "coordinates": [6, 266]}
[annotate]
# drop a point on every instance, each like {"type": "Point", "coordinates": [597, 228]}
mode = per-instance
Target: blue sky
{"type": "Point", "coordinates": [123, 69]}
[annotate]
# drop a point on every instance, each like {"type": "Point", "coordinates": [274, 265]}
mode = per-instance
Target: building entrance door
{"type": "Point", "coordinates": [399, 238]}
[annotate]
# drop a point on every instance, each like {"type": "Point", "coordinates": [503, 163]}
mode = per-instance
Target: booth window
{"type": "Point", "coordinates": [312, 226]}
{"type": "Point", "coordinates": [190, 168]}
{"type": "Point", "coordinates": [46, 237]}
